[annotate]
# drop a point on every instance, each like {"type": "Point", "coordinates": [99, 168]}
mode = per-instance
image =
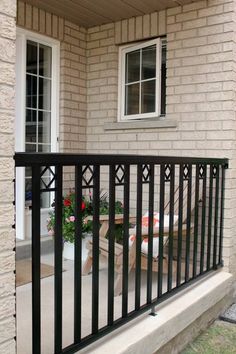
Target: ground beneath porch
{"type": "Point", "coordinates": [220, 338]}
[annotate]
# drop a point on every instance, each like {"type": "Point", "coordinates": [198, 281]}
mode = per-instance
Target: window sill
{"type": "Point", "coordinates": [141, 124]}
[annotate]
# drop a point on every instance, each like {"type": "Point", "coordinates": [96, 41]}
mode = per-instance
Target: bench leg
{"type": "Point", "coordinates": [118, 282]}
{"type": "Point", "coordinates": [87, 264]}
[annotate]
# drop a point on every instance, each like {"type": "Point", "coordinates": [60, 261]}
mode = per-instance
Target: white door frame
{"type": "Point", "coordinates": [22, 36]}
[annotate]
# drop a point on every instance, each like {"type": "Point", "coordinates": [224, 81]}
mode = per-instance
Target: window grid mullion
{"type": "Point", "coordinates": [140, 78]}
{"type": "Point", "coordinates": [37, 102]}
{"type": "Point", "coordinates": [137, 82]}
{"type": "Point", "coordinates": [40, 76]}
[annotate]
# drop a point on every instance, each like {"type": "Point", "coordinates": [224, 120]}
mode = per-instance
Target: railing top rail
{"type": "Point", "coordinates": [23, 159]}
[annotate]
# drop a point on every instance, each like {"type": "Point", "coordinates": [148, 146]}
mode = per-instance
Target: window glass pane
{"type": "Point", "coordinates": [30, 126]}
{"type": "Point", "coordinates": [149, 62]}
{"type": "Point", "coordinates": [31, 91]}
{"type": "Point", "coordinates": [163, 81]}
{"type": "Point", "coordinates": [44, 148]}
{"type": "Point", "coordinates": [44, 127]}
{"type": "Point", "coordinates": [28, 171]}
{"type": "Point", "coordinates": [45, 59]}
{"type": "Point", "coordinates": [44, 94]}
{"type": "Point", "coordinates": [132, 99]}
{"type": "Point", "coordinates": [132, 66]}
{"type": "Point", "coordinates": [31, 116]}
{"type": "Point", "coordinates": [30, 147]}
{"type": "Point", "coordinates": [28, 191]}
{"type": "Point", "coordinates": [30, 131]}
{"type": "Point", "coordinates": [31, 58]}
{"type": "Point", "coordinates": [148, 95]}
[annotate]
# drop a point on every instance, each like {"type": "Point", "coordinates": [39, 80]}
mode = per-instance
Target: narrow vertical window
{"type": "Point", "coordinates": [38, 106]}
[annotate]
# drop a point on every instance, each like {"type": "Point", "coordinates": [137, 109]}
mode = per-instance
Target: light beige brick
{"type": "Point", "coordinates": [48, 24]}
{"type": "Point", "coordinates": [35, 18]}
{"type": "Point", "coordinates": [8, 347]}
{"type": "Point", "coordinates": [200, 22]}
{"type": "Point", "coordinates": [220, 18]}
{"type": "Point", "coordinates": [192, 15]}
{"type": "Point", "coordinates": [124, 31]}
{"type": "Point", "coordinates": [146, 26]}
{"type": "Point", "coordinates": [139, 27]}
{"type": "Point", "coordinates": [131, 29]}
{"type": "Point", "coordinates": [118, 32]}
{"type": "Point", "coordinates": [195, 6]}
{"type": "Point", "coordinates": [154, 24]}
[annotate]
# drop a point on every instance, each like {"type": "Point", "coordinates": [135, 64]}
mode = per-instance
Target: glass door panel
{"type": "Point", "coordinates": [38, 107]}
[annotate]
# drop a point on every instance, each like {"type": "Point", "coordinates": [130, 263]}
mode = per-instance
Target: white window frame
{"type": "Point", "coordinates": [123, 50]}
{"type": "Point", "coordinates": [22, 36]}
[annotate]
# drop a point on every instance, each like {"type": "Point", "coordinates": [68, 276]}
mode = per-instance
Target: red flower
{"type": "Point", "coordinates": [83, 206]}
{"type": "Point", "coordinates": [67, 202]}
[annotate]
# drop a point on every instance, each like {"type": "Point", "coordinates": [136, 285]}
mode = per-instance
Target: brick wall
{"type": "Point", "coordinates": [7, 235]}
{"type": "Point", "coordinates": [200, 90]}
{"type": "Point", "coordinates": [72, 71]}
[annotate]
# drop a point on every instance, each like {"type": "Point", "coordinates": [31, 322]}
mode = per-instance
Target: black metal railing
{"type": "Point", "coordinates": [187, 193]}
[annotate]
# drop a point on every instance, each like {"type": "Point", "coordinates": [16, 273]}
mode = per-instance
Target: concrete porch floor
{"type": "Point", "coordinates": [24, 340]}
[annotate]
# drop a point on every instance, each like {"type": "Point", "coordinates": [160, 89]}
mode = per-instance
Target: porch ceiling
{"type": "Point", "coordinates": [90, 13]}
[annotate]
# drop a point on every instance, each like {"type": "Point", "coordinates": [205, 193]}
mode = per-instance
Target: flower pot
{"type": "Point", "coordinates": [69, 249]}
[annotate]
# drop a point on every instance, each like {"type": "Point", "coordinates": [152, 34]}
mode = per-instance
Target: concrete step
{"type": "Point", "coordinates": [23, 248]}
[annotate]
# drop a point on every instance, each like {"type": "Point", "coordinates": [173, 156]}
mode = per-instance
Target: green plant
{"type": "Point", "coordinates": [68, 216]}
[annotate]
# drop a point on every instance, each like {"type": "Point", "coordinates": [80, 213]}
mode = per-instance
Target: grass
{"type": "Point", "coordinates": [220, 338]}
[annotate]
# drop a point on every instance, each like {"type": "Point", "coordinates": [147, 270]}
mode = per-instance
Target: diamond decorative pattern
{"type": "Point", "coordinates": [87, 176]}
{"type": "Point", "coordinates": [215, 171]}
{"type": "Point", "coordinates": [146, 173]}
{"type": "Point", "coordinates": [202, 171]}
{"type": "Point", "coordinates": [186, 172]}
{"type": "Point", "coordinates": [120, 174]}
{"type": "Point", "coordinates": [46, 173]}
{"type": "Point", "coordinates": [168, 170]}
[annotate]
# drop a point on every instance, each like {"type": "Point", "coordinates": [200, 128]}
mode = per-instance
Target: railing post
{"type": "Point", "coordinates": [222, 206]}
{"type": "Point", "coordinates": [95, 266]}
{"type": "Point", "coordinates": [58, 261]}
{"type": "Point", "coordinates": [161, 229]}
{"type": "Point", "coordinates": [36, 289]}
{"type": "Point", "coordinates": [78, 253]}
{"type": "Point", "coordinates": [111, 245]}
{"type": "Point", "coordinates": [138, 236]}
{"type": "Point", "coordinates": [125, 275]}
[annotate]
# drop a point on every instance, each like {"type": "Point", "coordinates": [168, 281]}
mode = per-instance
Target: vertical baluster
{"type": "Point", "coordinates": [95, 269]}
{"type": "Point", "coordinates": [58, 261]}
{"type": "Point", "coordinates": [188, 231]}
{"type": "Point", "coordinates": [150, 233]}
{"type": "Point", "coordinates": [180, 224]}
{"type": "Point", "coordinates": [138, 237]}
{"type": "Point", "coordinates": [161, 229]}
{"type": "Point", "coordinates": [203, 220]}
{"type": "Point", "coordinates": [210, 219]}
{"type": "Point", "coordinates": [111, 240]}
{"type": "Point", "coordinates": [36, 293]}
{"type": "Point", "coordinates": [195, 242]}
{"type": "Point", "coordinates": [125, 241]}
{"type": "Point", "coordinates": [171, 227]}
{"type": "Point", "coordinates": [78, 254]}
{"type": "Point", "coordinates": [217, 185]}
{"type": "Point", "coordinates": [223, 167]}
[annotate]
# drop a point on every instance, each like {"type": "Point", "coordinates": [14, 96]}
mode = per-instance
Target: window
{"type": "Point", "coordinates": [37, 108]}
{"type": "Point", "coordinates": [142, 80]}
